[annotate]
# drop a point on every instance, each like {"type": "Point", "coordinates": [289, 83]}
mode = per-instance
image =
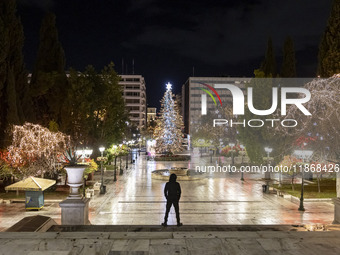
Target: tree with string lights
{"type": "Point", "coordinates": [35, 150]}
{"type": "Point", "coordinates": [324, 121]}
{"type": "Point", "coordinates": [168, 132]}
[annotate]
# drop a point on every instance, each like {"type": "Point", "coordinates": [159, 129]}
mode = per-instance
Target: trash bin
{"type": "Point", "coordinates": [104, 189]}
{"type": "Point", "coordinates": [264, 188]}
{"type": "Point", "coordinates": [34, 200]}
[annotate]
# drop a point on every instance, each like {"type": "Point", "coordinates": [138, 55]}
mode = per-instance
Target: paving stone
{"type": "Point", "coordinates": [56, 244]}
{"type": "Point", "coordinates": [131, 245]}
{"type": "Point", "coordinates": [190, 235]}
{"type": "Point", "coordinates": [243, 246]}
{"type": "Point", "coordinates": [83, 235]}
{"type": "Point", "coordinates": [101, 247]}
{"type": "Point", "coordinates": [19, 246]}
{"type": "Point", "coordinates": [288, 252]}
{"type": "Point", "coordinates": [179, 242]}
{"type": "Point", "coordinates": [149, 235]}
{"type": "Point", "coordinates": [204, 244]}
{"type": "Point", "coordinates": [49, 253]}
{"type": "Point", "coordinates": [128, 253]}
{"type": "Point", "coordinates": [216, 251]}
{"type": "Point", "coordinates": [274, 234]}
{"type": "Point", "coordinates": [280, 244]}
{"type": "Point", "coordinates": [27, 235]}
{"type": "Point", "coordinates": [168, 249]}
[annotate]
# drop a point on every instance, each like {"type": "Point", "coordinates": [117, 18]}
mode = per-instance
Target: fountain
{"type": "Point", "coordinates": [183, 174]}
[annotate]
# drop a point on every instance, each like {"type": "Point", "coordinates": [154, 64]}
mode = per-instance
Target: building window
{"type": "Point", "coordinates": [132, 101]}
{"type": "Point", "coordinates": [132, 94]}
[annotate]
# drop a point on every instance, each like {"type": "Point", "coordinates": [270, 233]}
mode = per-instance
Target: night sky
{"type": "Point", "coordinates": [167, 38]}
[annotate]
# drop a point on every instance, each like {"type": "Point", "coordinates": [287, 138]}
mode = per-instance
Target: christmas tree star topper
{"type": "Point", "coordinates": [168, 86]}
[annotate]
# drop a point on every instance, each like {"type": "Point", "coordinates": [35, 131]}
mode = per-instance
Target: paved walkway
{"type": "Point", "coordinates": [137, 199]}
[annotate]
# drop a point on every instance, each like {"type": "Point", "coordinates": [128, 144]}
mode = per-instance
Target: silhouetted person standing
{"type": "Point", "coordinates": [172, 192]}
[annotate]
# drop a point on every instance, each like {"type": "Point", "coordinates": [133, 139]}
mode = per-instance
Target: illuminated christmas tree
{"type": "Point", "coordinates": [168, 132]}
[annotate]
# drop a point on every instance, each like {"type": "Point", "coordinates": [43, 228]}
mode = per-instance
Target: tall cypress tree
{"type": "Point", "coordinates": [288, 68]}
{"type": "Point", "coordinates": [269, 64]}
{"type": "Point", "coordinates": [49, 80]}
{"type": "Point", "coordinates": [329, 48]}
{"type": "Point", "coordinates": [11, 98]}
{"type": "Point", "coordinates": [13, 76]}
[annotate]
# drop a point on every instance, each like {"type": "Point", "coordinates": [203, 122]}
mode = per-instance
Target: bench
{"type": "Point", "coordinates": [96, 186]}
{"type": "Point", "coordinates": [279, 193]}
{"type": "Point", "coordinates": [89, 193]}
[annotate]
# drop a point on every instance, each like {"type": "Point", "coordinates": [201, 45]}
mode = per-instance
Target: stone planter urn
{"type": "Point", "coordinates": [75, 180]}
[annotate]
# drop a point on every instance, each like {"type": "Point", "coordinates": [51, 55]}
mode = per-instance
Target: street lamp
{"type": "Point", "coordinates": [102, 187]}
{"type": "Point", "coordinates": [242, 147]}
{"type": "Point", "coordinates": [120, 160]}
{"type": "Point", "coordinates": [115, 171]}
{"type": "Point", "coordinates": [131, 151]}
{"type": "Point", "coordinates": [267, 174]}
{"type": "Point", "coordinates": [140, 145]}
{"type": "Point", "coordinates": [232, 152]}
{"type": "Point", "coordinates": [304, 155]}
{"type": "Point", "coordinates": [268, 150]}
{"type": "Point", "coordinates": [127, 157]}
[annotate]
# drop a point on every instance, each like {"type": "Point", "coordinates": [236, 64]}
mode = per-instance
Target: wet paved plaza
{"type": "Point", "coordinates": [137, 199]}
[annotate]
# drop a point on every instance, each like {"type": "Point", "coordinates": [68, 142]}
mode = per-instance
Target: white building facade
{"type": "Point", "coordinates": [134, 93]}
{"type": "Point", "coordinates": [151, 114]}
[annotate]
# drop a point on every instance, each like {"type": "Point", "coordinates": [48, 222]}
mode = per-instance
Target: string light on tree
{"type": "Point", "coordinates": [35, 149]}
{"type": "Point", "coordinates": [168, 132]}
{"type": "Point", "coordinates": [324, 122]}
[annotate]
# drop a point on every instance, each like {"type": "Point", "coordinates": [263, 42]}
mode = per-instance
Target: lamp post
{"type": "Point", "coordinates": [304, 155]}
{"type": "Point", "coordinates": [232, 152]}
{"type": "Point", "coordinates": [127, 160]}
{"type": "Point", "coordinates": [140, 146]}
{"type": "Point", "coordinates": [268, 150]}
{"type": "Point", "coordinates": [131, 151]}
{"type": "Point", "coordinates": [115, 171]}
{"type": "Point", "coordinates": [120, 160]}
{"type": "Point", "coordinates": [102, 187]}
{"type": "Point", "coordinates": [242, 147]}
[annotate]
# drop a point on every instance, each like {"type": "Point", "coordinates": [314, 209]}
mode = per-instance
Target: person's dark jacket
{"type": "Point", "coordinates": [172, 189]}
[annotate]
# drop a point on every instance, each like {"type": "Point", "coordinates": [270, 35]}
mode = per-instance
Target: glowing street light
{"type": "Point", "coordinates": [305, 155]}
{"type": "Point", "coordinates": [242, 147]}
{"type": "Point", "coordinates": [232, 145]}
{"type": "Point", "coordinates": [268, 150]}
{"type": "Point", "coordinates": [102, 187]}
